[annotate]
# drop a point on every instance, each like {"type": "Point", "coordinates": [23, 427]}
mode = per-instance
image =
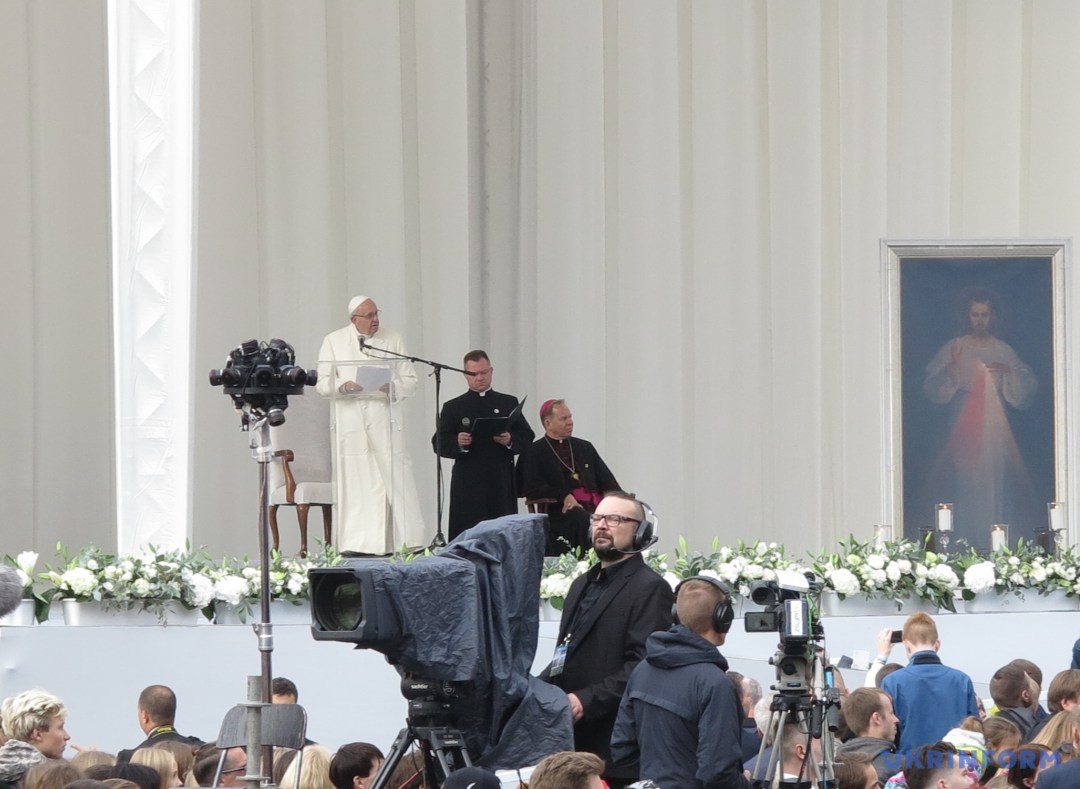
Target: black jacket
{"type": "Point", "coordinates": [606, 646]}
{"type": "Point", "coordinates": [681, 713]}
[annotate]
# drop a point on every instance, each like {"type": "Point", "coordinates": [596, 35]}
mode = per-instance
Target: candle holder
{"type": "Point", "coordinates": [882, 534]}
{"type": "Point", "coordinates": [999, 537]}
{"type": "Point", "coordinates": [1047, 540]}
{"type": "Point", "coordinates": [944, 521]}
{"type": "Point", "coordinates": [1055, 518]}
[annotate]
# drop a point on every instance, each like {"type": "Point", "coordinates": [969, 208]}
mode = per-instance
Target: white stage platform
{"type": "Point", "coordinates": [353, 695]}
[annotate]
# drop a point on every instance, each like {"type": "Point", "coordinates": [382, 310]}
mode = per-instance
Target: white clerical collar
{"type": "Point", "coordinates": [484, 393]}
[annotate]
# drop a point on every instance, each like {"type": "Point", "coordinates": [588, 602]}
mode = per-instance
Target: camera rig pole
{"type": "Point", "coordinates": [263, 452]}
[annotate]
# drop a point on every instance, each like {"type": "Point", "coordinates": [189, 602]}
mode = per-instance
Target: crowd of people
{"type": "Point", "coordinates": [654, 705]}
{"type": "Point", "coordinates": [651, 703]}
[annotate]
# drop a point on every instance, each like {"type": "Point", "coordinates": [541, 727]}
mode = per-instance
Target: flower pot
{"type": "Point", "coordinates": [548, 612]}
{"type": "Point", "coordinates": [94, 614]}
{"type": "Point", "coordinates": [22, 616]}
{"type": "Point", "coordinates": [282, 612]}
{"type": "Point", "coordinates": [858, 605]}
{"type": "Point", "coordinates": [1032, 602]}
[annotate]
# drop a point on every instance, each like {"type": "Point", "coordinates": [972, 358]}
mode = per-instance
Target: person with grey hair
{"type": "Point", "coordinates": [34, 722]}
{"type": "Point", "coordinates": [750, 696]}
{"type": "Point", "coordinates": [378, 508]}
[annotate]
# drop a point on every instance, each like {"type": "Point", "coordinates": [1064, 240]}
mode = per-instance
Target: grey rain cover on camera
{"type": "Point", "coordinates": [471, 615]}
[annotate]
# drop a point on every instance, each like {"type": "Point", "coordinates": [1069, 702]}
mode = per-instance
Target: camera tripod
{"type": "Point", "coordinates": [443, 748]}
{"type": "Point", "coordinates": [805, 695]}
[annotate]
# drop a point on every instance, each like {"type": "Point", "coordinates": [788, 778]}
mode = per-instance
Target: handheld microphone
{"type": "Point", "coordinates": [11, 589]}
{"type": "Point", "coordinates": [465, 422]}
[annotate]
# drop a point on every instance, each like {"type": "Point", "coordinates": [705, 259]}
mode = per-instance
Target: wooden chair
{"type": "Point", "coordinates": [300, 472]}
{"type": "Point", "coordinates": [540, 506]}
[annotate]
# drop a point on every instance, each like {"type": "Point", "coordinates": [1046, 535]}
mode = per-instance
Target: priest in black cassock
{"type": "Point", "coordinates": [482, 483]}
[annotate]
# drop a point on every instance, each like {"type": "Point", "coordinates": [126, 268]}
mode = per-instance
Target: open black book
{"type": "Point", "coordinates": [490, 426]}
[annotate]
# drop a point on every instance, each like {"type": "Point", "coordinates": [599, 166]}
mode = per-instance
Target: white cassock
{"type": "Point", "coordinates": [378, 509]}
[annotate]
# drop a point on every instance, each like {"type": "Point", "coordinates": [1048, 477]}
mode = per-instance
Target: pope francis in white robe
{"type": "Point", "coordinates": [378, 509]}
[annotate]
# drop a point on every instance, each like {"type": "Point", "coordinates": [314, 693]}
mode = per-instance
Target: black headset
{"type": "Point", "coordinates": [723, 615]}
{"type": "Point", "coordinates": [645, 534]}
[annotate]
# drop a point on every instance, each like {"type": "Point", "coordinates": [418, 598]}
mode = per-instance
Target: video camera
{"type": "Point", "coordinates": [261, 377]}
{"type": "Point", "coordinates": [789, 613]}
{"type": "Point", "coordinates": [461, 628]}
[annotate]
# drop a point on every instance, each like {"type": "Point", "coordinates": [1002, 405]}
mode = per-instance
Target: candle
{"type": "Point", "coordinates": [998, 538]}
{"type": "Point", "coordinates": [944, 517]}
{"type": "Point", "coordinates": [1057, 515]}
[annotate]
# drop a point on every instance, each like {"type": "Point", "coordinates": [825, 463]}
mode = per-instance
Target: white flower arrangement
{"type": "Point", "coordinates": [894, 570]}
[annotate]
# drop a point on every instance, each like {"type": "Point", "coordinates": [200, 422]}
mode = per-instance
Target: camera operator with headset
{"type": "Point", "coordinates": [609, 612]}
{"type": "Point", "coordinates": [680, 713]}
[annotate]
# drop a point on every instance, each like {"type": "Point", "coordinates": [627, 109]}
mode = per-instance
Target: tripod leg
{"type": "Point", "coordinates": [401, 745]}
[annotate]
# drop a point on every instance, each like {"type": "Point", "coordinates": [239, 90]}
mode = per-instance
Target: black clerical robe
{"type": "Point", "coordinates": [543, 474]}
{"type": "Point", "coordinates": [482, 483]}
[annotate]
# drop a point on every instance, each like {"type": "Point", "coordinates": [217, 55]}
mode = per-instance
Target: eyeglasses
{"type": "Point", "coordinates": [612, 520]}
{"type": "Point", "coordinates": [369, 316]}
{"type": "Point", "coordinates": [235, 769]}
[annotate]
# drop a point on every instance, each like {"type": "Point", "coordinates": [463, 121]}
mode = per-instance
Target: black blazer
{"type": "Point", "coordinates": [607, 645]}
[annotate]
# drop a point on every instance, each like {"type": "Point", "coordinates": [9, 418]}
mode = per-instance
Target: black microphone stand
{"type": "Point", "coordinates": [436, 372]}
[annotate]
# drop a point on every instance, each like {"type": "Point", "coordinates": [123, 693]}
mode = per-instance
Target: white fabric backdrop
{"type": "Point", "coordinates": [669, 214]}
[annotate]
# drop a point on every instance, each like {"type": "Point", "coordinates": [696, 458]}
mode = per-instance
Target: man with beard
{"type": "Point", "coordinates": [609, 612]}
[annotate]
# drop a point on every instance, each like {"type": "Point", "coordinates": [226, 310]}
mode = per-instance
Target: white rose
{"type": "Point", "coordinates": [768, 575]}
{"type": "Point", "coordinates": [980, 577]}
{"type": "Point", "coordinates": [249, 572]}
{"type": "Point", "coordinates": [754, 571]}
{"type": "Point", "coordinates": [127, 565]}
{"type": "Point", "coordinates": [296, 584]}
{"type": "Point", "coordinates": [1017, 579]}
{"type": "Point", "coordinates": [1014, 561]}
{"type": "Point", "coordinates": [761, 548]}
{"type": "Point", "coordinates": [876, 561]}
{"type": "Point", "coordinates": [843, 581]}
{"type": "Point", "coordinates": [1038, 574]}
{"type": "Point", "coordinates": [710, 574]}
{"type": "Point", "coordinates": [725, 553]}
{"type": "Point", "coordinates": [892, 570]}
{"type": "Point", "coordinates": [232, 589]}
{"type": "Point", "coordinates": [878, 577]}
{"type": "Point", "coordinates": [904, 565]}
{"type": "Point", "coordinates": [91, 564]}
{"type": "Point", "coordinates": [744, 590]}
{"type": "Point", "coordinates": [728, 572]}
{"type": "Point", "coordinates": [149, 571]}
{"type": "Point", "coordinates": [200, 590]}
{"type": "Point", "coordinates": [79, 580]}
{"type": "Point", "coordinates": [921, 571]}
{"type": "Point", "coordinates": [943, 575]}
{"type": "Point", "coordinates": [142, 587]}
{"type": "Point", "coordinates": [672, 579]}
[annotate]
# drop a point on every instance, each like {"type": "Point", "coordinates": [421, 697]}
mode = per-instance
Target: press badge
{"type": "Point", "coordinates": [558, 661]}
